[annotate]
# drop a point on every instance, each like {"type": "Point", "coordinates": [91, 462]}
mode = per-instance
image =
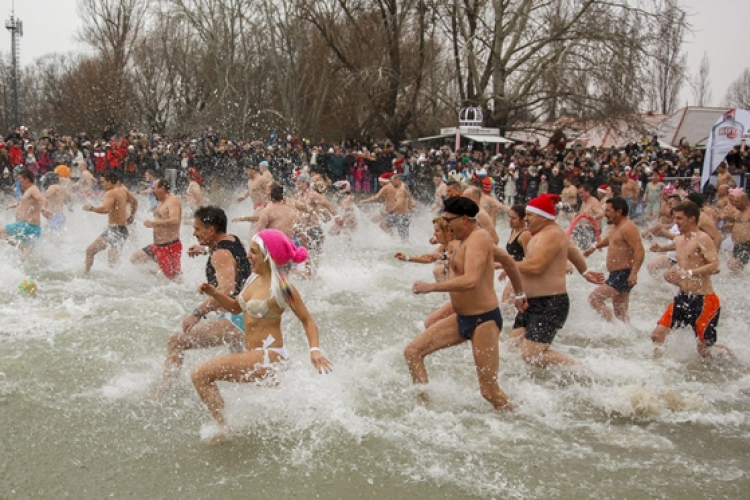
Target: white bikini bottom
{"type": "Point", "coordinates": [281, 351]}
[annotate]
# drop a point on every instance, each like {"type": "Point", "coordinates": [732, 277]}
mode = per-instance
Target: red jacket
{"type": "Point", "coordinates": [100, 161]}
{"type": "Point", "coordinates": [113, 158]}
{"type": "Point", "coordinates": [15, 155]}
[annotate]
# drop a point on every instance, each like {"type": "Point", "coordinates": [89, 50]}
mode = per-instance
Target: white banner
{"type": "Point", "coordinates": [725, 134]}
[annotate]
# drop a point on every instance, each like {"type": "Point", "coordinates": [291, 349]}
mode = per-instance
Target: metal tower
{"type": "Point", "coordinates": [15, 26]}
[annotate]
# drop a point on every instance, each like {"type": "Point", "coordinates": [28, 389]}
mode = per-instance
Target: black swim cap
{"type": "Point", "coordinates": [461, 205]}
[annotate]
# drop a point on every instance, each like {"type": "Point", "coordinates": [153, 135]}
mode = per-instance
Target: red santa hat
{"type": "Point", "coordinates": [385, 178]}
{"type": "Point", "coordinates": [487, 185]}
{"type": "Point", "coordinates": [543, 205]}
{"type": "Point", "coordinates": [602, 189]}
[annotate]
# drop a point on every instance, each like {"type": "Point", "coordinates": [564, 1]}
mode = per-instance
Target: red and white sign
{"type": "Point", "coordinates": [727, 132]}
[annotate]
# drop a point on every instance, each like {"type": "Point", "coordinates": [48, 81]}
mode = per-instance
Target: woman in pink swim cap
{"type": "Point", "coordinates": [262, 301]}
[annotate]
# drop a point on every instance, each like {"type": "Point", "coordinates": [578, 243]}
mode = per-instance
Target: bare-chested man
{"type": "Point", "coordinates": [193, 193]}
{"type": "Point", "coordinates": [441, 192]}
{"type": "Point", "coordinates": [590, 204]}
{"type": "Point", "coordinates": [313, 209]}
{"type": "Point", "coordinates": [722, 201]}
{"type": "Point", "coordinates": [472, 293]}
{"type": "Point", "coordinates": [490, 204]}
{"type": "Point", "coordinates": [278, 214]}
{"type": "Point", "coordinates": [166, 250]}
{"type": "Point", "coordinates": [569, 198]}
{"type": "Point", "coordinates": [706, 222]}
{"type": "Point", "coordinates": [543, 274]}
{"type": "Point", "coordinates": [630, 191]}
{"type": "Point", "coordinates": [115, 204]}
{"type": "Point", "coordinates": [697, 305]}
{"type": "Point", "coordinates": [723, 177]}
{"type": "Point", "coordinates": [739, 218]}
{"type": "Point", "coordinates": [86, 183]}
{"type": "Point", "coordinates": [257, 188]}
{"type": "Point", "coordinates": [57, 195]}
{"type": "Point", "coordinates": [624, 259]}
{"type": "Point", "coordinates": [484, 220]}
{"type": "Point", "coordinates": [27, 228]}
{"type": "Point", "coordinates": [346, 205]}
{"type": "Point", "coordinates": [397, 202]}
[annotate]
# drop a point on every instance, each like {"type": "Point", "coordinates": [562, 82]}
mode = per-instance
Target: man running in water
{"type": "Point", "coordinates": [257, 188]}
{"type": "Point", "coordinates": [227, 269]}
{"type": "Point", "coordinates": [472, 293]}
{"type": "Point", "coordinates": [697, 305]}
{"type": "Point", "coordinates": [27, 228]}
{"type": "Point", "coordinates": [115, 205]}
{"type": "Point", "coordinates": [624, 259]}
{"type": "Point", "coordinates": [739, 218]}
{"type": "Point", "coordinates": [278, 214]}
{"type": "Point", "coordinates": [543, 273]}
{"type": "Point", "coordinates": [57, 195]}
{"type": "Point", "coordinates": [483, 218]}
{"type": "Point", "coordinates": [397, 203]}
{"type": "Point", "coordinates": [166, 250]}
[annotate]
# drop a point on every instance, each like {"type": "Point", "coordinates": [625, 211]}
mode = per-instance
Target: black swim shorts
{"type": "Point", "coordinates": [544, 317]}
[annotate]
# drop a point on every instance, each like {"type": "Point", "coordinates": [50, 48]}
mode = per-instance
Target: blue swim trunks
{"type": "Point", "coordinates": [237, 320]}
{"type": "Point", "coordinates": [57, 222]}
{"type": "Point", "coordinates": [24, 232]}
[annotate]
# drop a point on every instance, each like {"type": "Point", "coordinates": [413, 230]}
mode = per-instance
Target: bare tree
{"type": "Point", "coordinates": [669, 62]}
{"type": "Point", "coordinates": [701, 84]}
{"type": "Point", "coordinates": [738, 94]}
{"type": "Point", "coordinates": [381, 46]}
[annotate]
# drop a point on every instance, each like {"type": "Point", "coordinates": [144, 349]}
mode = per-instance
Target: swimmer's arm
{"type": "Point", "coordinates": [708, 249]}
{"type": "Point", "coordinates": [664, 248]}
{"type": "Point", "coordinates": [298, 307]}
{"type": "Point", "coordinates": [576, 258]}
{"type": "Point", "coordinates": [510, 267]}
{"type": "Point", "coordinates": [132, 201]}
{"type": "Point", "coordinates": [224, 264]}
{"type": "Point", "coordinates": [376, 197]}
{"type": "Point", "coordinates": [263, 221]}
{"type": "Point", "coordinates": [106, 206]}
{"type": "Point", "coordinates": [633, 239]}
{"type": "Point", "coordinates": [311, 330]}
{"type": "Point", "coordinates": [225, 301]}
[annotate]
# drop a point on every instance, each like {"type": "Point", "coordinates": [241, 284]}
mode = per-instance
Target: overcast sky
{"type": "Point", "coordinates": [720, 29]}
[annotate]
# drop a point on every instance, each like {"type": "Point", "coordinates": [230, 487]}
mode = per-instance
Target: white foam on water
{"type": "Point", "coordinates": [90, 348]}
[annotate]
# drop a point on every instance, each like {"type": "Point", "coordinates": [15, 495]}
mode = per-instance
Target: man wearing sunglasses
{"type": "Point", "coordinates": [477, 316]}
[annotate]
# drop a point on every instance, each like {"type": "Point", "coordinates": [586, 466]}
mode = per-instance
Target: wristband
{"type": "Point", "coordinates": [315, 349]}
{"type": "Point", "coordinates": [520, 295]}
{"type": "Point", "coordinates": [197, 313]}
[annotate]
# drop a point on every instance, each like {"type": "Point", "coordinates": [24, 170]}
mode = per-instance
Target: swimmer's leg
{"type": "Point", "coordinates": [441, 312]}
{"type": "Point", "coordinates": [25, 252]}
{"type": "Point", "coordinates": [243, 367]}
{"type": "Point", "coordinates": [537, 354]}
{"type": "Point", "coordinates": [621, 304]}
{"type": "Point", "coordinates": [599, 296]}
{"type": "Point", "coordinates": [113, 255]}
{"type": "Point", "coordinates": [659, 338]}
{"type": "Point", "coordinates": [487, 359]}
{"type": "Point", "coordinates": [97, 246]}
{"type": "Point", "coordinates": [140, 257]}
{"type": "Point", "coordinates": [210, 334]}
{"type": "Point", "coordinates": [442, 334]}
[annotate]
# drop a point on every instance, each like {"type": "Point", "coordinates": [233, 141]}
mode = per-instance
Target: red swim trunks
{"type": "Point", "coordinates": [167, 256]}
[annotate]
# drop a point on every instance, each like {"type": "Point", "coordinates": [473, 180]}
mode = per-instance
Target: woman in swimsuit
{"type": "Point", "coordinates": [441, 256]}
{"type": "Point", "coordinates": [516, 246]}
{"type": "Point", "coordinates": [263, 300]}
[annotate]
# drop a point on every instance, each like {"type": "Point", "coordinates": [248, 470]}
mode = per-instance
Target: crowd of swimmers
{"type": "Point", "coordinates": [247, 287]}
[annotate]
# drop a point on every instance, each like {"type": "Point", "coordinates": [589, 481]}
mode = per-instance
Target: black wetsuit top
{"type": "Point", "coordinates": [515, 249]}
{"type": "Point", "coordinates": [240, 257]}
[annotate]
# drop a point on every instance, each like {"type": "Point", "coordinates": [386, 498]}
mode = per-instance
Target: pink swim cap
{"type": "Point", "coordinates": [736, 191]}
{"type": "Point", "coordinates": [280, 247]}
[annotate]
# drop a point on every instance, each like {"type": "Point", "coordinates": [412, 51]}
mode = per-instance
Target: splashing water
{"type": "Point", "coordinates": [78, 359]}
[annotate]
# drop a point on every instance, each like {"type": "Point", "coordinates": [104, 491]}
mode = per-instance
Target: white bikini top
{"type": "Point", "coordinates": [258, 308]}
